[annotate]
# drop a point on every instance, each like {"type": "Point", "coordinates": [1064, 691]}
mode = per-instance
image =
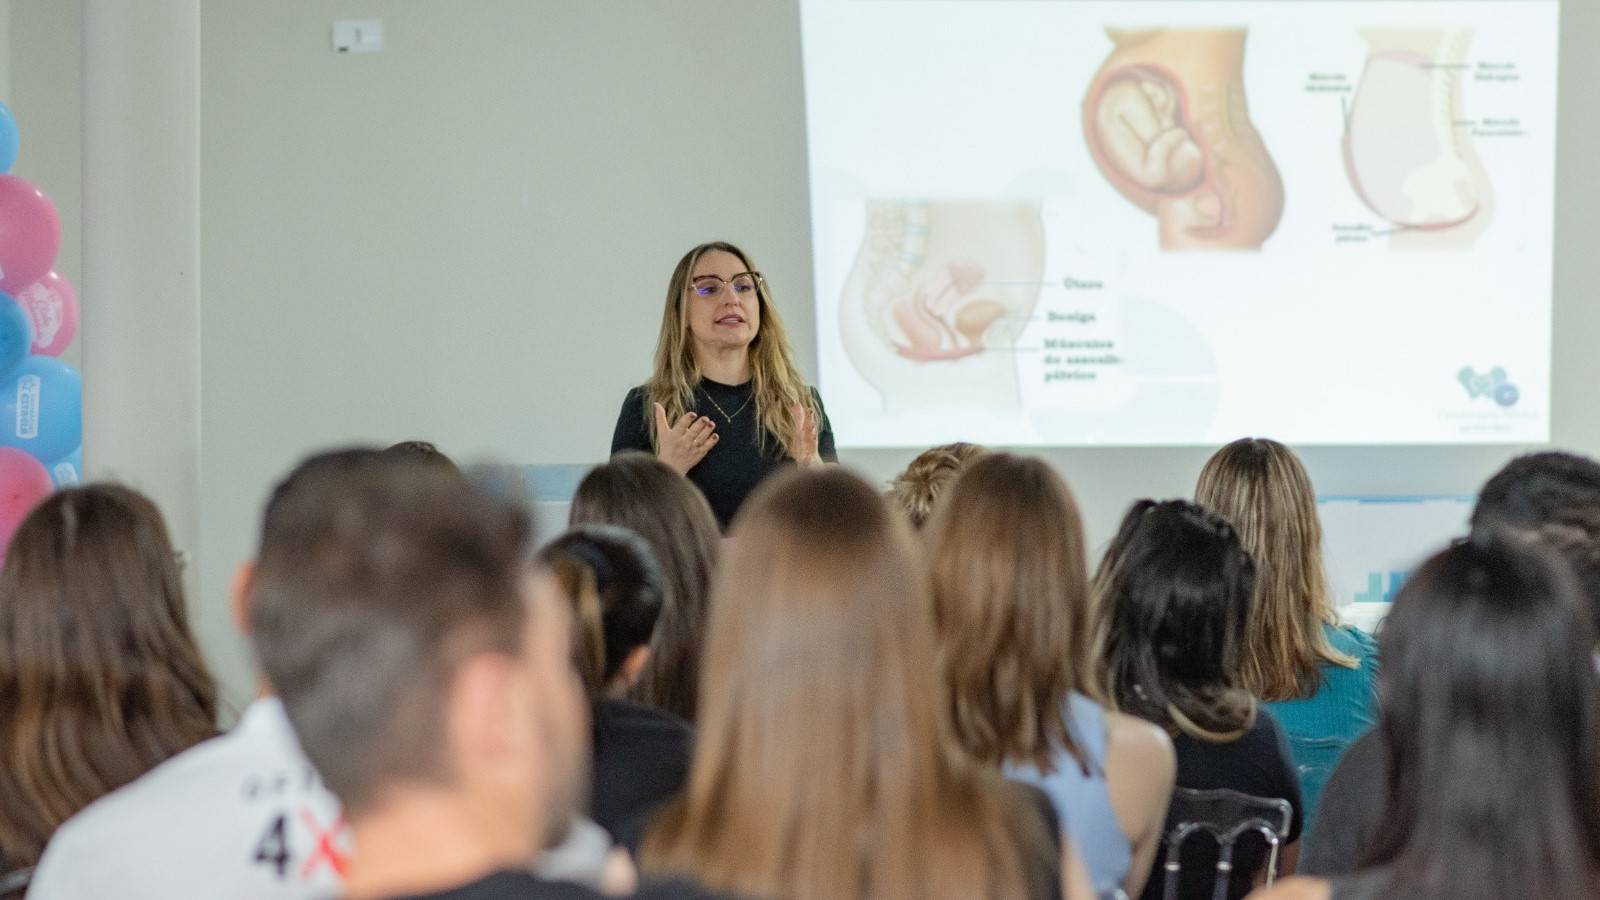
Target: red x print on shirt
{"type": "Point", "coordinates": [325, 845]}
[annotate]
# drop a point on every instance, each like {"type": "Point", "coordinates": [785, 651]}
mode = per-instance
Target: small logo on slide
{"type": "Point", "coordinates": [1491, 385]}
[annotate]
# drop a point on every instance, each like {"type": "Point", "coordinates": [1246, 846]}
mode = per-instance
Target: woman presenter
{"type": "Point", "coordinates": [725, 405]}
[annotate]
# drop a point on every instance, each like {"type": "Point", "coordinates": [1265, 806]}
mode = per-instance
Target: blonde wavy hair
{"type": "Point", "coordinates": [778, 384]}
{"type": "Point", "coordinates": [1260, 487]}
{"type": "Point", "coordinates": [918, 488]}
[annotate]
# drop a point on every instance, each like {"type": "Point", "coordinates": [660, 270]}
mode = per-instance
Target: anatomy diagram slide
{"type": "Point", "coordinates": [1081, 222]}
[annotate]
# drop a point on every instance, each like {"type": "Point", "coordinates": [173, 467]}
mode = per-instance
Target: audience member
{"type": "Point", "coordinates": [1317, 676]}
{"type": "Point", "coordinates": [257, 820]}
{"type": "Point", "coordinates": [100, 677]}
{"type": "Point", "coordinates": [1172, 600]}
{"type": "Point", "coordinates": [641, 754]}
{"type": "Point", "coordinates": [427, 675]}
{"type": "Point", "coordinates": [824, 764]}
{"type": "Point", "coordinates": [917, 490]}
{"type": "Point", "coordinates": [1491, 727]}
{"type": "Point", "coordinates": [639, 492]}
{"type": "Point", "coordinates": [1011, 598]}
{"type": "Point", "coordinates": [422, 452]}
{"type": "Point", "coordinates": [1549, 498]}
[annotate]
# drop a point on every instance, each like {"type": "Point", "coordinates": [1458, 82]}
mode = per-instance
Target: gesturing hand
{"type": "Point", "coordinates": [683, 445]}
{"type": "Point", "coordinates": [803, 444]}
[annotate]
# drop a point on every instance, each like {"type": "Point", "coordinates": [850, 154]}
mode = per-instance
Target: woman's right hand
{"type": "Point", "coordinates": [683, 445]}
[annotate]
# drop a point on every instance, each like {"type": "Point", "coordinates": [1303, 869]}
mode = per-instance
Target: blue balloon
{"type": "Point", "coordinates": [16, 334]}
{"type": "Point", "coordinates": [41, 409]}
{"type": "Point", "coordinates": [68, 472]}
{"type": "Point", "coordinates": [9, 141]}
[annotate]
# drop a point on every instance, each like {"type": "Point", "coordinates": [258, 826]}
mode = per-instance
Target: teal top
{"type": "Point", "coordinates": [1343, 708]}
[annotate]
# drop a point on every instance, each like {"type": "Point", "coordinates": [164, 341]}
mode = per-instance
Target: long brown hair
{"type": "Point", "coordinates": [777, 382]}
{"type": "Point", "coordinates": [1261, 487]}
{"type": "Point", "coordinates": [824, 766]}
{"type": "Point", "coordinates": [1011, 599]}
{"type": "Point", "coordinates": [643, 494]}
{"type": "Point", "coordinates": [100, 677]}
{"type": "Point", "coordinates": [916, 490]}
{"type": "Point", "coordinates": [1171, 599]}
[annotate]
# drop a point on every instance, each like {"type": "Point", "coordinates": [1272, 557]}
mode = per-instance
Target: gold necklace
{"type": "Point", "coordinates": [727, 418]}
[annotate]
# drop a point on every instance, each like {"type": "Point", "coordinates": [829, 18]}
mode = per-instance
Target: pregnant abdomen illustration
{"type": "Point", "coordinates": [937, 297]}
{"type": "Point", "coordinates": [1405, 151]}
{"type": "Point", "coordinates": [1168, 124]}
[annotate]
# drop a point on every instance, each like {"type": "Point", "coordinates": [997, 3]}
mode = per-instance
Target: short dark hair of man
{"type": "Point", "coordinates": [372, 584]}
{"type": "Point", "coordinates": [1552, 498]}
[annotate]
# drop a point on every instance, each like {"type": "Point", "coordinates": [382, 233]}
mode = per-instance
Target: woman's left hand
{"type": "Point", "coordinates": [803, 445]}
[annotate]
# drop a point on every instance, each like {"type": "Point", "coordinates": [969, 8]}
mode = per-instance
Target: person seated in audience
{"type": "Point", "coordinates": [1491, 735]}
{"type": "Point", "coordinates": [1549, 498]}
{"type": "Point", "coordinates": [423, 452]}
{"type": "Point", "coordinates": [824, 765]}
{"type": "Point", "coordinates": [256, 820]}
{"type": "Point", "coordinates": [641, 755]}
{"type": "Point", "coordinates": [917, 490]}
{"type": "Point", "coordinates": [100, 676]}
{"type": "Point", "coordinates": [1011, 597]}
{"type": "Point", "coordinates": [1172, 603]}
{"type": "Point", "coordinates": [428, 676]}
{"type": "Point", "coordinates": [643, 494]}
{"type": "Point", "coordinates": [1318, 677]}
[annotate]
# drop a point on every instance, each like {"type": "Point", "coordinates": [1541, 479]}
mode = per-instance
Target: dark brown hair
{"type": "Point", "coordinates": [1172, 601]}
{"type": "Point", "coordinates": [643, 494]}
{"type": "Point", "coordinates": [1011, 598]}
{"type": "Point", "coordinates": [375, 579]}
{"type": "Point", "coordinates": [617, 590]}
{"type": "Point", "coordinates": [824, 764]}
{"type": "Point", "coordinates": [100, 676]}
{"type": "Point", "coordinates": [1491, 723]}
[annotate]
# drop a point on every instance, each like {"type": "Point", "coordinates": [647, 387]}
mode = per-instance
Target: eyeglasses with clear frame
{"type": "Point", "coordinates": [744, 284]}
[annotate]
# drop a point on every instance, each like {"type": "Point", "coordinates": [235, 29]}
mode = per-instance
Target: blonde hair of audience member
{"type": "Point", "coordinates": [778, 385]}
{"type": "Point", "coordinates": [644, 495]}
{"type": "Point", "coordinates": [824, 766]}
{"type": "Point", "coordinates": [100, 676]}
{"type": "Point", "coordinates": [1261, 487]}
{"type": "Point", "coordinates": [916, 490]}
{"type": "Point", "coordinates": [1011, 599]}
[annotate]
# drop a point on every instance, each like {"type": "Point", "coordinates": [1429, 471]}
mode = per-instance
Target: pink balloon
{"type": "Point", "coordinates": [52, 308]}
{"type": "Point", "coordinates": [24, 481]}
{"type": "Point", "coordinates": [30, 234]}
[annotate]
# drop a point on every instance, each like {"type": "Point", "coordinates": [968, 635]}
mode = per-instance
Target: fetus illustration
{"type": "Point", "coordinates": [1405, 149]}
{"type": "Point", "coordinates": [1167, 122]}
{"type": "Point", "coordinates": [938, 295]}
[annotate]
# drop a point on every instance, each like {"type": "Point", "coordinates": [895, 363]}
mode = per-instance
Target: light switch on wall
{"type": "Point", "coordinates": [358, 36]}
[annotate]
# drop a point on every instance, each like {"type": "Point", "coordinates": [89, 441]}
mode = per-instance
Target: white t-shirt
{"type": "Point", "coordinates": [242, 815]}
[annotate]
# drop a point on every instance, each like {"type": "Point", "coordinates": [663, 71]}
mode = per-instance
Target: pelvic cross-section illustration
{"type": "Point", "coordinates": [1405, 145]}
{"type": "Point", "coordinates": [938, 295]}
{"type": "Point", "coordinates": [1167, 122]}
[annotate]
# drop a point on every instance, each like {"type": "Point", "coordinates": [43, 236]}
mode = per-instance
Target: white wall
{"type": "Point", "coordinates": [43, 56]}
{"type": "Point", "coordinates": [466, 238]}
